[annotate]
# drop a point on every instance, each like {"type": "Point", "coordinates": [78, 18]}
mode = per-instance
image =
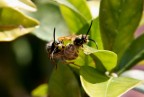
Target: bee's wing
{"type": "Point", "coordinates": [65, 38]}
{"type": "Point", "coordinates": [88, 50]}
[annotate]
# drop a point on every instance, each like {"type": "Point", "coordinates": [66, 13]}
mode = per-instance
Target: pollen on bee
{"type": "Point", "coordinates": [60, 46]}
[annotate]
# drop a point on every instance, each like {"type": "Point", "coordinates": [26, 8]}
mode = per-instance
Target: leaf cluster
{"type": "Point", "coordinates": [98, 71]}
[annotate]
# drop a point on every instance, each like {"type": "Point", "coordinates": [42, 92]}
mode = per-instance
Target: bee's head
{"type": "Point", "coordinates": [79, 41]}
{"type": "Point", "coordinates": [54, 46]}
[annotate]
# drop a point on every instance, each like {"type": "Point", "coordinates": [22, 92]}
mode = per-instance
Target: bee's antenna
{"type": "Point", "coordinates": [89, 28]}
{"type": "Point", "coordinates": [94, 42]}
{"type": "Point", "coordinates": [54, 35]}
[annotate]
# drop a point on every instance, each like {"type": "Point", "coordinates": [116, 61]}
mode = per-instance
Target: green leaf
{"type": "Point", "coordinates": [107, 58]}
{"type": "Point", "coordinates": [142, 20]}
{"type": "Point", "coordinates": [19, 4]}
{"type": "Point", "coordinates": [95, 34]}
{"type": "Point", "coordinates": [40, 91]}
{"type": "Point", "coordinates": [78, 19]}
{"type": "Point", "coordinates": [133, 54]}
{"type": "Point", "coordinates": [103, 60]}
{"type": "Point", "coordinates": [96, 84]}
{"type": "Point", "coordinates": [75, 15]}
{"type": "Point", "coordinates": [15, 24]}
{"type": "Point", "coordinates": [49, 15]}
{"type": "Point", "coordinates": [30, 4]}
{"type": "Point", "coordinates": [74, 20]}
{"type": "Point", "coordinates": [84, 60]}
{"type": "Point", "coordinates": [118, 21]}
{"type": "Point", "coordinates": [63, 83]}
{"type": "Point", "coordinates": [79, 6]}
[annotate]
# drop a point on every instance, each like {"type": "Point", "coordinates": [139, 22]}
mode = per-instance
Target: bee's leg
{"type": "Point", "coordinates": [51, 55]}
{"type": "Point", "coordinates": [73, 64]}
{"type": "Point", "coordinates": [52, 58]}
{"type": "Point", "coordinates": [65, 62]}
{"type": "Point", "coordinates": [54, 62]}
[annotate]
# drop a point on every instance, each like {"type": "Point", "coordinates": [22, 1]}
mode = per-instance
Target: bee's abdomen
{"type": "Point", "coordinates": [70, 52]}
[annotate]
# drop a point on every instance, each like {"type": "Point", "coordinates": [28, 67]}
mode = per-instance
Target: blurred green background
{"type": "Point", "coordinates": [24, 63]}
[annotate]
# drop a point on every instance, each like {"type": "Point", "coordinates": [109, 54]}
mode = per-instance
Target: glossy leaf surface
{"type": "Point", "coordinates": [19, 4]}
{"type": "Point", "coordinates": [75, 17]}
{"type": "Point", "coordinates": [15, 24]}
{"type": "Point", "coordinates": [95, 83]}
{"type": "Point", "coordinates": [107, 58]}
{"type": "Point", "coordinates": [78, 7]}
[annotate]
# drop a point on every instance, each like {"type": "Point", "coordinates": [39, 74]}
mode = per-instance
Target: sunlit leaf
{"type": "Point", "coordinates": [15, 24]}
{"type": "Point", "coordinates": [95, 34]}
{"type": "Point", "coordinates": [95, 83]}
{"type": "Point", "coordinates": [74, 14]}
{"type": "Point", "coordinates": [74, 20]}
{"type": "Point", "coordinates": [84, 58]}
{"type": "Point", "coordinates": [94, 7]}
{"type": "Point", "coordinates": [40, 91]}
{"type": "Point", "coordinates": [19, 4]}
{"type": "Point", "coordinates": [79, 6]}
{"type": "Point", "coordinates": [107, 58]}
{"type": "Point", "coordinates": [63, 83]}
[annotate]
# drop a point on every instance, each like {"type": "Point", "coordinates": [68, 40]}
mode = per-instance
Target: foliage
{"type": "Point", "coordinates": [14, 23]}
{"type": "Point", "coordinates": [97, 71]}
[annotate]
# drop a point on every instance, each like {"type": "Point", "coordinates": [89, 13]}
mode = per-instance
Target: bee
{"type": "Point", "coordinates": [55, 49]}
{"type": "Point", "coordinates": [58, 50]}
{"type": "Point", "coordinates": [79, 40]}
{"type": "Point", "coordinates": [71, 51]}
